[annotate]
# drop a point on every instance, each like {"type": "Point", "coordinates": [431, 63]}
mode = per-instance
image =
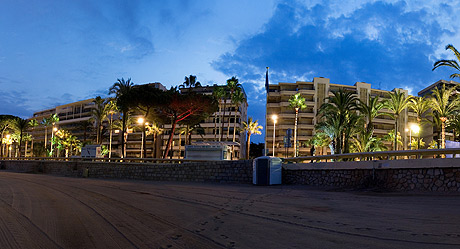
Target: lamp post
{"type": "Point", "coordinates": [52, 136]}
{"type": "Point", "coordinates": [274, 118]}
{"type": "Point", "coordinates": [111, 128]}
{"type": "Point", "coordinates": [141, 121]}
{"type": "Point", "coordinates": [416, 129]}
{"type": "Point", "coordinates": [410, 138]}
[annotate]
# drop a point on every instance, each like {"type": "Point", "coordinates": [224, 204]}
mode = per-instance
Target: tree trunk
{"type": "Point", "coordinates": [295, 132]}
{"type": "Point", "coordinates": [46, 137]}
{"type": "Point", "coordinates": [32, 147]}
{"type": "Point", "coordinates": [443, 134]}
{"type": "Point", "coordinates": [215, 125]}
{"type": "Point", "coordinates": [248, 144]}
{"type": "Point", "coordinates": [123, 149]}
{"type": "Point", "coordinates": [171, 135]}
{"type": "Point", "coordinates": [234, 134]}
{"type": "Point", "coordinates": [222, 121]}
{"type": "Point", "coordinates": [396, 133]}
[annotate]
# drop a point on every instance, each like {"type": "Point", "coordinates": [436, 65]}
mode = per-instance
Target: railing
{"type": "Point", "coordinates": [119, 160]}
{"type": "Point", "coordinates": [378, 155]}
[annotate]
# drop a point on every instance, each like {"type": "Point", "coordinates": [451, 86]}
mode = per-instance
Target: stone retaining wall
{"type": "Point", "coordinates": [216, 171]}
{"type": "Point", "coordinates": [399, 175]}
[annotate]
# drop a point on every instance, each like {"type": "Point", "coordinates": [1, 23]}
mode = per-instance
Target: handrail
{"type": "Point", "coordinates": [119, 160]}
{"type": "Point", "coordinates": [402, 154]}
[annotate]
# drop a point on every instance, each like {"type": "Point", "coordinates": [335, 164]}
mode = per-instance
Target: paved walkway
{"type": "Point", "coordinates": [41, 211]}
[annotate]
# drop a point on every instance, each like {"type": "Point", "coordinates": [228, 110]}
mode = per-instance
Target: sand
{"type": "Point", "coordinates": [42, 211]}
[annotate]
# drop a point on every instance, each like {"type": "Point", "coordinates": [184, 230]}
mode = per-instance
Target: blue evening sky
{"type": "Point", "coordinates": [56, 52]}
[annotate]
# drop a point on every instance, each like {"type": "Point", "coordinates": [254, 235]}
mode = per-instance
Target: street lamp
{"type": "Point", "coordinates": [141, 121]}
{"type": "Point", "coordinates": [274, 118]}
{"type": "Point", "coordinates": [52, 136]}
{"type": "Point", "coordinates": [111, 128]}
{"type": "Point", "coordinates": [416, 129]}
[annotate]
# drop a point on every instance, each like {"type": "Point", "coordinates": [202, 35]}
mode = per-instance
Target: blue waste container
{"type": "Point", "coordinates": [266, 170]}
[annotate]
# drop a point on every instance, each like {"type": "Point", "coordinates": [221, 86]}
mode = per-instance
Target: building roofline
{"type": "Point", "coordinates": [424, 90]}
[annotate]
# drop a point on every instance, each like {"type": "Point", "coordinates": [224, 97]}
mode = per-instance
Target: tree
{"type": "Point", "coordinates": [190, 82]}
{"type": "Point", "coordinates": [5, 124]}
{"type": "Point", "coordinates": [122, 90]}
{"type": "Point", "coordinates": [298, 103]}
{"type": "Point", "coordinates": [179, 107]}
{"type": "Point", "coordinates": [32, 124]}
{"type": "Point", "coordinates": [146, 99]}
{"type": "Point", "coordinates": [420, 106]}
{"type": "Point", "coordinates": [20, 126]}
{"type": "Point", "coordinates": [370, 111]}
{"type": "Point", "coordinates": [233, 87]}
{"type": "Point", "coordinates": [154, 130]}
{"type": "Point", "coordinates": [390, 137]}
{"type": "Point", "coordinates": [86, 126]}
{"type": "Point", "coordinates": [366, 143]}
{"type": "Point", "coordinates": [449, 63]}
{"type": "Point", "coordinates": [319, 140]}
{"type": "Point", "coordinates": [237, 99]}
{"type": "Point", "coordinates": [251, 127]}
{"type": "Point", "coordinates": [65, 140]}
{"type": "Point", "coordinates": [218, 93]}
{"type": "Point", "coordinates": [454, 125]}
{"type": "Point", "coordinates": [444, 104]}
{"type": "Point", "coordinates": [339, 119]}
{"type": "Point", "coordinates": [397, 103]}
{"type": "Point", "coordinates": [99, 113]}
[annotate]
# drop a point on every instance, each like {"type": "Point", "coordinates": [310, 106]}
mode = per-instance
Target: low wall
{"type": "Point", "coordinates": [439, 174]}
{"type": "Point", "coordinates": [216, 171]}
{"type": "Point", "coordinates": [398, 175]}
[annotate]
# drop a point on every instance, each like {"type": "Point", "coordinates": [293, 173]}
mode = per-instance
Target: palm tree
{"type": "Point", "coordinates": [449, 63]}
{"type": "Point", "coordinates": [218, 93]}
{"type": "Point", "coordinates": [298, 103]}
{"type": "Point", "coordinates": [454, 124]}
{"type": "Point", "coordinates": [21, 126]}
{"type": "Point", "coordinates": [99, 113]}
{"type": "Point", "coordinates": [397, 103]}
{"type": "Point", "coordinates": [233, 87]}
{"type": "Point", "coordinates": [122, 90]}
{"type": "Point", "coordinates": [340, 119]}
{"type": "Point", "coordinates": [110, 109]}
{"type": "Point", "coordinates": [319, 140]}
{"type": "Point", "coordinates": [366, 143]}
{"type": "Point", "coordinates": [390, 137]}
{"type": "Point", "coordinates": [420, 106]}
{"type": "Point", "coordinates": [46, 122]}
{"type": "Point", "coordinates": [32, 124]}
{"type": "Point", "coordinates": [190, 82]}
{"type": "Point", "coordinates": [154, 130]}
{"type": "Point", "coordinates": [370, 111]}
{"type": "Point", "coordinates": [237, 99]}
{"type": "Point", "coordinates": [252, 128]}
{"type": "Point", "coordinates": [444, 104]}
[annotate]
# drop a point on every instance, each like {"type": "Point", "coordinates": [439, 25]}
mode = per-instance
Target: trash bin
{"type": "Point", "coordinates": [266, 170]}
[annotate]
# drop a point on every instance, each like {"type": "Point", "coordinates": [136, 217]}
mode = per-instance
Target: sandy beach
{"type": "Point", "coordinates": [42, 211]}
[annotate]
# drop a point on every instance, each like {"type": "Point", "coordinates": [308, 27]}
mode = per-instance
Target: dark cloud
{"type": "Point", "coordinates": [14, 103]}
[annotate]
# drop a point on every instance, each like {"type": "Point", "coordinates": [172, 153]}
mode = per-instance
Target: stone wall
{"type": "Point", "coordinates": [399, 175]}
{"type": "Point", "coordinates": [215, 171]}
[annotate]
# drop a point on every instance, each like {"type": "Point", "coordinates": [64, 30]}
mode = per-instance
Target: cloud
{"type": "Point", "coordinates": [387, 44]}
{"type": "Point", "coordinates": [14, 103]}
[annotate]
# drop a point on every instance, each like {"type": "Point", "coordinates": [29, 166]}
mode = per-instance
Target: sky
{"type": "Point", "coordinates": [57, 52]}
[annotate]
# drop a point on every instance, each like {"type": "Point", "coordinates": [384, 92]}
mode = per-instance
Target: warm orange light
{"type": "Point", "coordinates": [140, 120]}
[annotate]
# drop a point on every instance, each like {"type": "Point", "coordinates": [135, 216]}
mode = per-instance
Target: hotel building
{"type": "Point", "coordinates": [315, 94]}
{"type": "Point", "coordinates": [76, 116]}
